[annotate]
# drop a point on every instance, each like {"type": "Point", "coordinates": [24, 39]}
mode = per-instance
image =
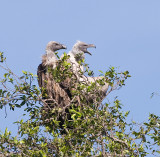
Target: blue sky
{"type": "Point", "coordinates": [126, 34]}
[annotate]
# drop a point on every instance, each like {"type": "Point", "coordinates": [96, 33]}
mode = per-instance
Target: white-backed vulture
{"type": "Point", "coordinates": [51, 90]}
{"type": "Point", "coordinates": [78, 53]}
{"type": "Point", "coordinates": [54, 95]}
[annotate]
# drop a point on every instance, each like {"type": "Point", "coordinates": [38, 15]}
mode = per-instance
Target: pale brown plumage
{"type": "Point", "coordinates": [79, 49]}
{"type": "Point", "coordinates": [51, 90]}
{"type": "Point", "coordinates": [54, 95]}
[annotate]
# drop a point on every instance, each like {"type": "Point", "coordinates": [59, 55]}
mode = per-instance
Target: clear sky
{"type": "Point", "coordinates": [126, 34]}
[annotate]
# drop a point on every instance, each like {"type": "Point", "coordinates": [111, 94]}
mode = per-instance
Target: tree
{"type": "Point", "coordinates": [93, 128]}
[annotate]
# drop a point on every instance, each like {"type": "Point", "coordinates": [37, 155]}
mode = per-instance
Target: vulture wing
{"type": "Point", "coordinates": [41, 73]}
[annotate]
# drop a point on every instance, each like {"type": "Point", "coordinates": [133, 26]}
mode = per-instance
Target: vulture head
{"type": "Point", "coordinates": [50, 58]}
{"type": "Point", "coordinates": [81, 47]}
{"type": "Point", "coordinates": [54, 46]}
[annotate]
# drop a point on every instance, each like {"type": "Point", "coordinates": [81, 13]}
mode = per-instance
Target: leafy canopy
{"type": "Point", "coordinates": [92, 129]}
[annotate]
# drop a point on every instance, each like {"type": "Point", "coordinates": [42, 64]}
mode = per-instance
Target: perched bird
{"type": "Point", "coordinates": [50, 89]}
{"type": "Point", "coordinates": [54, 96]}
{"type": "Point", "coordinates": [78, 53]}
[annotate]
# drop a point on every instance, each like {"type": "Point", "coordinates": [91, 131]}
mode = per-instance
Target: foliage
{"type": "Point", "coordinates": [94, 128]}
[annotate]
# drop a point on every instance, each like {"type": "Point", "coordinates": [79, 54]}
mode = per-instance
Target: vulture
{"type": "Point", "coordinates": [54, 96]}
{"type": "Point", "coordinates": [78, 53]}
{"type": "Point", "coordinates": [51, 90]}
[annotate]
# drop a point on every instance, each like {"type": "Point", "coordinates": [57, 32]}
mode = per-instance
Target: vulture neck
{"type": "Point", "coordinates": [74, 60]}
{"type": "Point", "coordinates": [77, 54]}
{"type": "Point", "coordinates": [50, 58]}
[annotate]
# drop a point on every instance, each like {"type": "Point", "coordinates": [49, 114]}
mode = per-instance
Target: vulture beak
{"type": "Point", "coordinates": [89, 46]}
{"type": "Point", "coordinates": [64, 47]}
